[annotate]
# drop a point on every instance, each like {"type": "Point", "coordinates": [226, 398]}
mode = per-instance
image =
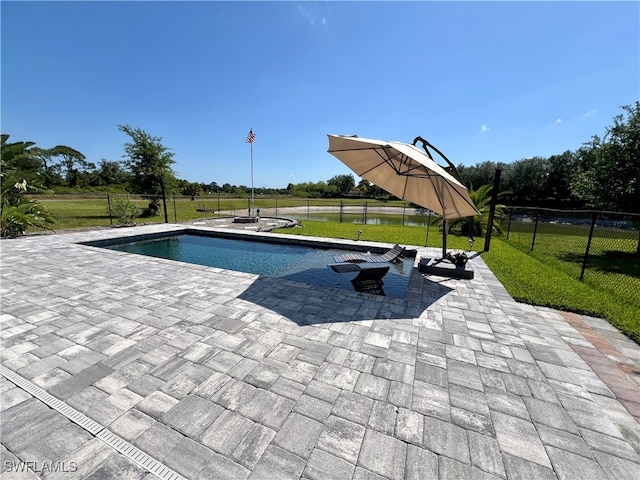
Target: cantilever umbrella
{"type": "Point", "coordinates": [407, 172]}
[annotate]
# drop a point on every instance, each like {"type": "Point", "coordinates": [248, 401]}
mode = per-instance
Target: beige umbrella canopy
{"type": "Point", "coordinates": [407, 172]}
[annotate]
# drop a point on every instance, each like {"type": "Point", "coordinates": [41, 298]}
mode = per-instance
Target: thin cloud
{"type": "Point", "coordinates": [590, 112]}
{"type": "Point", "coordinates": [311, 14]}
{"type": "Point", "coordinates": [484, 129]}
{"type": "Point", "coordinates": [558, 120]}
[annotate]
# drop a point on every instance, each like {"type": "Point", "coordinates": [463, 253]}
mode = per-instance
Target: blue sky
{"type": "Point", "coordinates": [498, 81]}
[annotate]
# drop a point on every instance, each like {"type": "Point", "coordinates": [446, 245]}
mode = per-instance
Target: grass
{"type": "Point", "coordinates": [612, 264]}
{"type": "Point", "coordinates": [72, 212]}
{"type": "Point", "coordinates": [378, 233]}
{"type": "Point", "coordinates": [88, 210]}
{"type": "Point", "coordinates": [527, 278]}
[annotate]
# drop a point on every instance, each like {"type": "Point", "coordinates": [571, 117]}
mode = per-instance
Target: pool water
{"type": "Point", "coordinates": [292, 262]}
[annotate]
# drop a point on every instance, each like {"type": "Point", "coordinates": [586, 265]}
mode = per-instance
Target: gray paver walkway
{"type": "Point", "coordinates": [219, 374]}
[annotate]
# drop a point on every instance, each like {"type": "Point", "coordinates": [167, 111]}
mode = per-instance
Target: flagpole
{"type": "Point", "coordinates": [252, 198]}
{"type": "Point", "coordinates": [250, 139]}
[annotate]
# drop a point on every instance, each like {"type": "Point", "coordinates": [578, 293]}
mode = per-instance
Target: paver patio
{"type": "Point", "coordinates": [158, 368]}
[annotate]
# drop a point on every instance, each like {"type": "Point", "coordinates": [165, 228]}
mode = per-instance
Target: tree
{"type": "Point", "coordinates": [210, 187]}
{"type": "Point", "coordinates": [190, 189]}
{"type": "Point", "coordinates": [608, 173]}
{"type": "Point", "coordinates": [18, 213]}
{"type": "Point", "coordinates": [528, 180]}
{"type": "Point", "coordinates": [71, 162]}
{"type": "Point", "coordinates": [479, 174]}
{"type": "Point", "coordinates": [364, 186]}
{"type": "Point", "coordinates": [23, 159]}
{"type": "Point", "coordinates": [308, 189]}
{"type": "Point", "coordinates": [477, 225]}
{"type": "Point", "coordinates": [341, 185]}
{"type": "Point", "coordinates": [377, 192]}
{"type": "Point", "coordinates": [150, 164]}
{"type": "Point", "coordinates": [561, 170]}
{"type": "Point", "coordinates": [109, 172]}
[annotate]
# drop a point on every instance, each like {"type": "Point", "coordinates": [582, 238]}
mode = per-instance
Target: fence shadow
{"type": "Point", "coordinates": [608, 261]}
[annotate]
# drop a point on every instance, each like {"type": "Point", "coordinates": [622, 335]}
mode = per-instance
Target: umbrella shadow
{"type": "Point", "coordinates": [307, 304]}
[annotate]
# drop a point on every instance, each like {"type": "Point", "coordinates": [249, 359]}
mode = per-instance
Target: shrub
{"type": "Point", "coordinates": [125, 210]}
{"type": "Point", "coordinates": [18, 213]}
{"type": "Point", "coordinates": [21, 214]}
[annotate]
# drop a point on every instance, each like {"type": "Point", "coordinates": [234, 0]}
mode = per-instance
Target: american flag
{"type": "Point", "coordinates": [251, 137]}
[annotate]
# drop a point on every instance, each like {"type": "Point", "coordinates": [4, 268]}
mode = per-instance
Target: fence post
{"type": "Point", "coordinates": [276, 207]}
{"type": "Point", "coordinates": [509, 225]}
{"type": "Point", "coordinates": [341, 202]}
{"type": "Point", "coordinates": [218, 203]}
{"type": "Point", "coordinates": [164, 200]}
{"type": "Point", "coordinates": [586, 252]}
{"type": "Point", "coordinates": [492, 209]}
{"type": "Point", "coordinates": [404, 206]}
{"type": "Point", "coordinates": [364, 213]}
{"type": "Point", "coordinates": [535, 229]}
{"type": "Point", "coordinates": [175, 210]}
{"type": "Point", "coordinates": [109, 205]}
{"type": "Point", "coordinates": [308, 207]}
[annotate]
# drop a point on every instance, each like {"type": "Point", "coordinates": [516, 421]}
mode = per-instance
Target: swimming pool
{"type": "Point", "coordinates": [295, 262]}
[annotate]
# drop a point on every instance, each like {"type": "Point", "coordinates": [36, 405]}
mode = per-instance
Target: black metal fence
{"type": "Point", "coordinates": [600, 248]}
{"type": "Point", "coordinates": [73, 210]}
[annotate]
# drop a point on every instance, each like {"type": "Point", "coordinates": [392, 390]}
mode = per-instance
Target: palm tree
{"type": "Point", "coordinates": [477, 226]}
{"type": "Point", "coordinates": [17, 212]}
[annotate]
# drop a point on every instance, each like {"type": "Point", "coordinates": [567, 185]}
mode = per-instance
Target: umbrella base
{"type": "Point", "coordinates": [444, 268]}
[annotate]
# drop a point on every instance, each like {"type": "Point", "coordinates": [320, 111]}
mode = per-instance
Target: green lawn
{"type": "Point", "coordinates": [87, 211]}
{"type": "Point", "coordinates": [73, 211]}
{"type": "Point", "coordinates": [612, 265]}
{"type": "Point", "coordinates": [528, 278]}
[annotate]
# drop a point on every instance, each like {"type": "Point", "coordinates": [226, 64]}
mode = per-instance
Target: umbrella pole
{"type": "Point", "coordinates": [444, 223]}
{"type": "Point", "coordinates": [444, 238]}
{"type": "Point", "coordinates": [426, 240]}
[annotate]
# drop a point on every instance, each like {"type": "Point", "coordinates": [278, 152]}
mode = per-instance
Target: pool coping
{"type": "Point", "coordinates": [414, 284]}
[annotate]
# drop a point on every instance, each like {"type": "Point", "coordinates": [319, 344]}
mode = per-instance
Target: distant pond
{"type": "Point", "coordinates": [370, 218]}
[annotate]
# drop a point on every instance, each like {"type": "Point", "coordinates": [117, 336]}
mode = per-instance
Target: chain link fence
{"type": "Point", "coordinates": [73, 210]}
{"type": "Point", "coordinates": [600, 248]}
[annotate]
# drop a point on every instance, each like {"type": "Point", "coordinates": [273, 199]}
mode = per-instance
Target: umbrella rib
{"type": "Point", "coordinates": [403, 160]}
{"type": "Point", "coordinates": [388, 159]}
{"type": "Point", "coordinates": [384, 160]}
{"type": "Point", "coordinates": [444, 193]}
{"type": "Point", "coordinates": [440, 199]}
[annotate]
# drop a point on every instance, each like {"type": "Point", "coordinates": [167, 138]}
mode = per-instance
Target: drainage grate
{"type": "Point", "coordinates": [125, 448]}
